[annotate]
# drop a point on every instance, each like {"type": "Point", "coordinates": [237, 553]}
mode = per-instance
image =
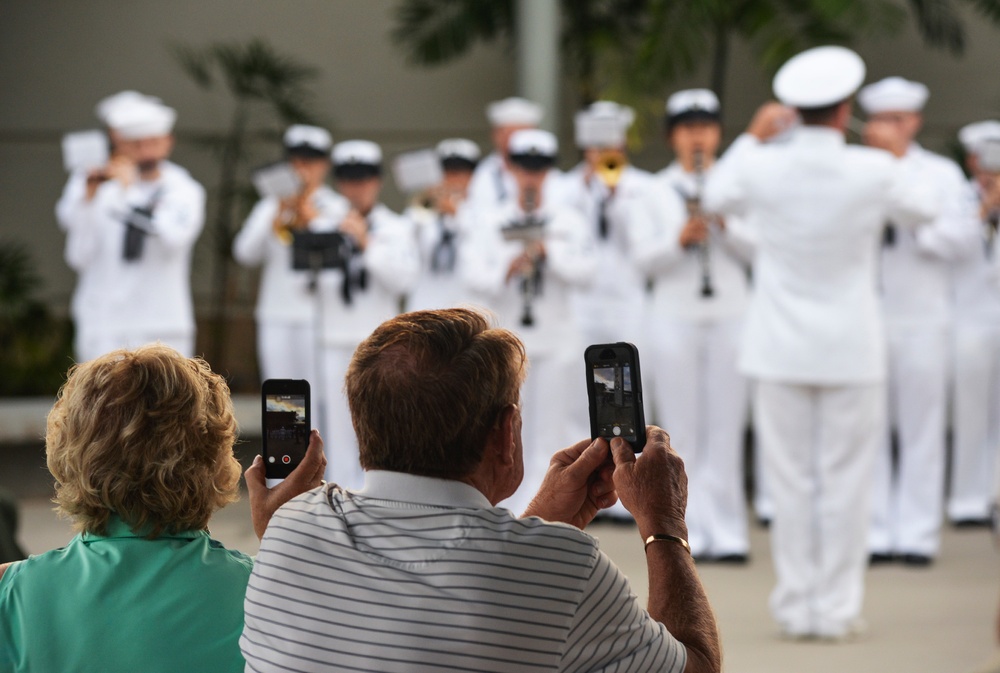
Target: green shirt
{"type": "Point", "coordinates": [121, 602]}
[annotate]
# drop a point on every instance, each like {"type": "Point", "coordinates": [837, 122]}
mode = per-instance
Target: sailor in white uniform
{"type": "Point", "coordinates": [439, 215]}
{"type": "Point", "coordinates": [381, 264]}
{"type": "Point", "coordinates": [130, 231]}
{"type": "Point", "coordinates": [916, 269]}
{"type": "Point", "coordinates": [493, 182]}
{"type": "Point", "coordinates": [813, 336]}
{"type": "Point", "coordinates": [287, 331]}
{"type": "Point", "coordinates": [520, 260]}
{"type": "Point", "coordinates": [700, 293]}
{"type": "Point", "coordinates": [976, 418]}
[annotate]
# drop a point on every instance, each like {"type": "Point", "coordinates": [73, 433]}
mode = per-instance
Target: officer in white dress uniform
{"type": "Point", "coordinates": [813, 337]}
{"type": "Point", "coordinates": [287, 331]}
{"type": "Point", "coordinates": [520, 260]}
{"type": "Point", "coordinates": [130, 229]}
{"type": "Point", "coordinates": [439, 215]}
{"type": "Point", "coordinates": [976, 418]}
{"type": "Point", "coordinates": [381, 266]}
{"type": "Point", "coordinates": [700, 293]}
{"type": "Point", "coordinates": [916, 299]}
{"type": "Point", "coordinates": [493, 183]}
{"type": "Point", "coordinates": [616, 199]}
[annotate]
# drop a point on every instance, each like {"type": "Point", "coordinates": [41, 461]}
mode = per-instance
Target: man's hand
{"type": "Point", "coordinates": [695, 231]}
{"type": "Point", "coordinates": [264, 501]}
{"type": "Point", "coordinates": [771, 119]}
{"type": "Point", "coordinates": [885, 135]}
{"type": "Point", "coordinates": [577, 485]}
{"type": "Point", "coordinates": [652, 485]}
{"type": "Point", "coordinates": [355, 226]}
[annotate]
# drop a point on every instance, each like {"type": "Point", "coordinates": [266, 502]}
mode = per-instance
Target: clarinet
{"type": "Point", "coordinates": [526, 231]}
{"type": "Point", "coordinates": [694, 209]}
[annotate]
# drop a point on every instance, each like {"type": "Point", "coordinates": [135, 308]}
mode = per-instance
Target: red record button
{"type": "Point", "coordinates": [286, 459]}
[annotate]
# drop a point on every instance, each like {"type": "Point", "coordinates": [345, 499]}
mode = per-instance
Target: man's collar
{"type": "Point", "coordinates": [118, 528]}
{"type": "Point", "coordinates": [411, 488]}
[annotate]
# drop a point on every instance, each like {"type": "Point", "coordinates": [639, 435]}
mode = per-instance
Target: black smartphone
{"type": "Point", "coordinates": [286, 425]}
{"type": "Point", "coordinates": [614, 387]}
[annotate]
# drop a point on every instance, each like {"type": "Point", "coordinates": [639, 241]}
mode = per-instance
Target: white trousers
{"type": "Point", "coordinates": [909, 496]}
{"type": "Point", "coordinates": [819, 444]}
{"type": "Point", "coordinates": [701, 401]}
{"type": "Point", "coordinates": [288, 351]}
{"type": "Point", "coordinates": [976, 420]}
{"type": "Point", "coordinates": [553, 413]}
{"type": "Point", "coordinates": [89, 344]}
{"type": "Point", "coordinates": [343, 466]}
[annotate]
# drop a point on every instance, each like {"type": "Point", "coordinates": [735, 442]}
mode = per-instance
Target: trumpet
{"type": "Point", "coordinates": [610, 166]}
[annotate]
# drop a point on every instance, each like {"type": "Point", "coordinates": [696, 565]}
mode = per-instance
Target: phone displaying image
{"type": "Point", "coordinates": [286, 423]}
{"type": "Point", "coordinates": [614, 387]}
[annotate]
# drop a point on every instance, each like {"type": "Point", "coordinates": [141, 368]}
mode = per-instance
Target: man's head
{"type": "Point", "coordinates": [820, 83]}
{"type": "Point", "coordinates": [897, 102]}
{"type": "Point", "coordinates": [459, 157]}
{"type": "Point", "coordinates": [693, 124]}
{"type": "Point", "coordinates": [508, 116]}
{"type": "Point", "coordinates": [981, 138]}
{"type": "Point", "coordinates": [145, 434]}
{"type": "Point", "coordinates": [531, 154]}
{"type": "Point", "coordinates": [307, 149]}
{"type": "Point", "coordinates": [142, 127]}
{"type": "Point", "coordinates": [429, 391]}
{"type": "Point", "coordinates": [601, 131]}
{"type": "Point", "coordinates": [357, 168]}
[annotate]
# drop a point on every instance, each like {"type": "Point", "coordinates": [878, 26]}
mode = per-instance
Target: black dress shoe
{"type": "Point", "coordinates": [972, 522]}
{"type": "Point", "coordinates": [732, 559]}
{"type": "Point", "coordinates": [880, 559]}
{"type": "Point", "coordinates": [916, 560]}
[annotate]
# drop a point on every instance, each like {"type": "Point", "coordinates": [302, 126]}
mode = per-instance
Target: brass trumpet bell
{"type": "Point", "coordinates": [610, 166]}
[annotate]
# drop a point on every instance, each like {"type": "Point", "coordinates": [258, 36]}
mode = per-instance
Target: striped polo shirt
{"type": "Point", "coordinates": [420, 574]}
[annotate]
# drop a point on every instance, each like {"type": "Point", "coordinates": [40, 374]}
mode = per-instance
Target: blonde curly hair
{"type": "Point", "coordinates": [146, 434]}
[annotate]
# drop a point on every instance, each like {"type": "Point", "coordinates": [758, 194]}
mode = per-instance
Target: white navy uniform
{"type": "Point", "coordinates": [976, 420]}
{"type": "Point", "coordinates": [391, 266]}
{"type": "Point", "coordinates": [916, 299]}
{"type": "Point", "coordinates": [287, 331]}
{"type": "Point", "coordinates": [700, 395]}
{"type": "Point", "coordinates": [814, 342]}
{"type": "Point", "coordinates": [554, 392]}
{"type": "Point", "coordinates": [125, 303]}
{"type": "Point", "coordinates": [493, 185]}
{"type": "Point", "coordinates": [438, 238]}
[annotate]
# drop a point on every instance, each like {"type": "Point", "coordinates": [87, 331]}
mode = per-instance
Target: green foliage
{"type": "Point", "coordinates": [432, 32]}
{"type": "Point", "coordinates": [34, 346]}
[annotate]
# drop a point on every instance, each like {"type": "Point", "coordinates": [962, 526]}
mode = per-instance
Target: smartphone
{"type": "Point", "coordinates": [286, 423]}
{"type": "Point", "coordinates": [614, 387]}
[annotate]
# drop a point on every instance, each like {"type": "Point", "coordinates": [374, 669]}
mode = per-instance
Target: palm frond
{"type": "Point", "coordinates": [939, 24]}
{"type": "Point", "coordinates": [435, 31]}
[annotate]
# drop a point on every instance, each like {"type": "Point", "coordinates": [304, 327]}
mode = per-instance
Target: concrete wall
{"type": "Point", "coordinates": [58, 57]}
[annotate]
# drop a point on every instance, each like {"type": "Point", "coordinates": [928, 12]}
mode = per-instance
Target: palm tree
{"type": "Point", "coordinates": [258, 78]}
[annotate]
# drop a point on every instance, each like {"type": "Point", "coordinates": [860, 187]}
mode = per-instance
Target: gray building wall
{"type": "Point", "coordinates": [58, 57]}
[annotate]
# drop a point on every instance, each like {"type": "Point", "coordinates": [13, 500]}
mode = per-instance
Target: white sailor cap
{"type": "Point", "coordinates": [363, 152]}
{"type": "Point", "coordinates": [306, 140]}
{"type": "Point", "coordinates": [893, 94]}
{"type": "Point", "coordinates": [603, 124]}
{"type": "Point", "coordinates": [699, 101]}
{"type": "Point", "coordinates": [514, 112]}
{"type": "Point", "coordinates": [819, 77]}
{"type": "Point", "coordinates": [145, 117]}
{"type": "Point", "coordinates": [533, 142]}
{"type": "Point", "coordinates": [106, 104]}
{"type": "Point", "coordinates": [973, 135]}
{"type": "Point", "coordinates": [458, 148]}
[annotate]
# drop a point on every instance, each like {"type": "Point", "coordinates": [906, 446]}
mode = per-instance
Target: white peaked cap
{"type": "Point", "coordinates": [692, 100]}
{"type": "Point", "coordinates": [819, 77]}
{"type": "Point", "coordinates": [458, 148]}
{"type": "Point", "coordinates": [143, 117]}
{"type": "Point", "coordinates": [314, 137]}
{"type": "Point", "coordinates": [973, 135]}
{"type": "Point", "coordinates": [514, 112]}
{"type": "Point", "coordinates": [357, 152]}
{"type": "Point", "coordinates": [603, 124]}
{"type": "Point", "coordinates": [893, 94]}
{"type": "Point", "coordinates": [533, 141]}
{"type": "Point", "coordinates": [106, 104]}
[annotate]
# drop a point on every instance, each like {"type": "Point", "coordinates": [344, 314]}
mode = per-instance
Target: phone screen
{"type": "Point", "coordinates": [286, 431]}
{"type": "Point", "coordinates": [616, 393]}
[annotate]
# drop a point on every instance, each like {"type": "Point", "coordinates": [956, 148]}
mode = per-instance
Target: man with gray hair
{"type": "Point", "coordinates": [421, 571]}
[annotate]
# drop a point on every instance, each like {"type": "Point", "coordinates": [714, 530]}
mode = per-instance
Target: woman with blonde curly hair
{"type": "Point", "coordinates": [141, 447]}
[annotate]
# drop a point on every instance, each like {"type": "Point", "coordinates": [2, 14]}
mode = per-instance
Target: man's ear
{"type": "Point", "coordinates": [504, 435]}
